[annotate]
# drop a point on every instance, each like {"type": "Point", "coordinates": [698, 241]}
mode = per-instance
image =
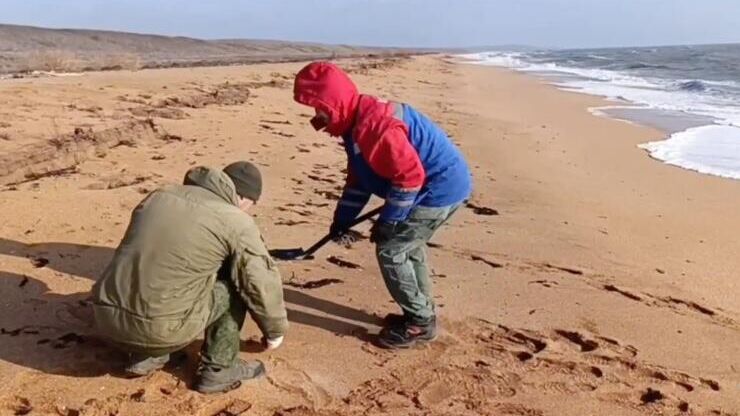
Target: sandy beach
{"type": "Point", "coordinates": [583, 277]}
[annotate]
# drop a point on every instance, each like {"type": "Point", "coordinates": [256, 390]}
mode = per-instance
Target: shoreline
{"type": "Point", "coordinates": [682, 145]}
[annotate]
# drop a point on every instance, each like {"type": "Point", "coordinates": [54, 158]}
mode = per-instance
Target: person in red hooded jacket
{"type": "Point", "coordinates": [398, 154]}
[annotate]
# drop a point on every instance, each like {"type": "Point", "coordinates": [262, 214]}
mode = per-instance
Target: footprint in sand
{"type": "Point", "coordinates": [293, 380]}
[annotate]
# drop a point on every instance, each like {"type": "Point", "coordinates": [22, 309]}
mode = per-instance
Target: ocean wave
{"type": "Point", "coordinates": [693, 86]}
{"type": "Point", "coordinates": [641, 65]}
{"type": "Point", "coordinates": [713, 150]}
{"type": "Point", "coordinates": [691, 96]}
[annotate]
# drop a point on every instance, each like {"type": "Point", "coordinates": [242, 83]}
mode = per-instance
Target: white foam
{"type": "Point", "coordinates": [602, 112]}
{"type": "Point", "coordinates": [711, 149]}
{"type": "Point", "coordinates": [651, 93]}
{"type": "Point", "coordinates": [505, 59]}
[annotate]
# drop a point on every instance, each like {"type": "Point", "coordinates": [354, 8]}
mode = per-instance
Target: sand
{"type": "Point", "coordinates": [584, 278]}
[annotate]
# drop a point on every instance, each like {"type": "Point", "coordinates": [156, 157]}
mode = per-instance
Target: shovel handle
{"type": "Point", "coordinates": [362, 218]}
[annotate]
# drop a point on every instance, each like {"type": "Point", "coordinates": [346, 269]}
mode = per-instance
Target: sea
{"type": "Point", "coordinates": [690, 92]}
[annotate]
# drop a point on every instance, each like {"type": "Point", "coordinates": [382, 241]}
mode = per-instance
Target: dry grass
{"type": "Point", "coordinates": [52, 61]}
{"type": "Point", "coordinates": [125, 61]}
{"type": "Point", "coordinates": [63, 61]}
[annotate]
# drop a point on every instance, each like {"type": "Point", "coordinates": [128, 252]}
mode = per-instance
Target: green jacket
{"type": "Point", "coordinates": [156, 293]}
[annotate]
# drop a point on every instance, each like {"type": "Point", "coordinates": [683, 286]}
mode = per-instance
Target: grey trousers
{"type": "Point", "coordinates": [403, 262]}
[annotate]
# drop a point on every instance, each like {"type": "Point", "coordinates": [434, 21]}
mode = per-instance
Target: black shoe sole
{"type": "Point", "coordinates": [226, 387]}
{"type": "Point", "coordinates": [414, 343]}
{"type": "Point", "coordinates": [220, 388]}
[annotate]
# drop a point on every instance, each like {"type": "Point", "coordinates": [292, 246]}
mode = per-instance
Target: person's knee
{"type": "Point", "coordinates": [391, 255]}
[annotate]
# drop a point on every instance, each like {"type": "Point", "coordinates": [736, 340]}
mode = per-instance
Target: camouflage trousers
{"type": "Point", "coordinates": [222, 342]}
{"type": "Point", "coordinates": [403, 262]}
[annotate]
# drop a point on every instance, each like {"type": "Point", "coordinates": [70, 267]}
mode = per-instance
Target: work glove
{"type": "Point", "coordinates": [272, 343]}
{"type": "Point", "coordinates": [382, 232]}
{"type": "Point", "coordinates": [342, 235]}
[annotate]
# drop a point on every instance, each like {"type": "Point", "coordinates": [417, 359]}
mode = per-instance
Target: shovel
{"type": "Point", "coordinates": [301, 254]}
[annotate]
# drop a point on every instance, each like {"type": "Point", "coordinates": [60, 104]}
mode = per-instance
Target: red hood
{"type": "Point", "coordinates": [324, 86]}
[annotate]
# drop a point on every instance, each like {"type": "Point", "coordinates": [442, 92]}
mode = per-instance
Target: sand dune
{"type": "Point", "coordinates": [27, 48]}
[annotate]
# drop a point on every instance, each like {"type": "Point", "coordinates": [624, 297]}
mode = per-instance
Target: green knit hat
{"type": "Point", "coordinates": [247, 179]}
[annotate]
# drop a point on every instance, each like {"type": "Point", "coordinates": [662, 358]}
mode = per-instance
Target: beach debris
{"type": "Point", "coordinates": [586, 345]}
{"type": "Point", "coordinates": [303, 213]}
{"type": "Point", "coordinates": [291, 223]}
{"type": "Point", "coordinates": [66, 340]}
{"type": "Point", "coordinates": [118, 181]}
{"type": "Point", "coordinates": [34, 176]}
{"type": "Point", "coordinates": [711, 384]}
{"type": "Point", "coordinates": [566, 269]}
{"type": "Point", "coordinates": [481, 210]}
{"type": "Point", "coordinates": [651, 396]}
{"type": "Point", "coordinates": [313, 284]}
{"type": "Point", "coordinates": [169, 138]}
{"type": "Point", "coordinates": [629, 295]}
{"type": "Point", "coordinates": [26, 329]}
{"type": "Point", "coordinates": [222, 94]}
{"type": "Point", "coordinates": [343, 263]}
{"type": "Point", "coordinates": [545, 283]}
{"type": "Point", "coordinates": [491, 263]}
{"type": "Point", "coordinates": [524, 356]}
{"type": "Point", "coordinates": [21, 406]}
{"type": "Point", "coordinates": [160, 112]}
{"type": "Point", "coordinates": [23, 282]}
{"type": "Point", "coordinates": [285, 122]}
{"type": "Point", "coordinates": [328, 194]}
{"type": "Point", "coordinates": [38, 262]}
{"type": "Point", "coordinates": [691, 305]}
{"type": "Point", "coordinates": [138, 396]}
{"type": "Point", "coordinates": [439, 275]}
{"type": "Point", "coordinates": [320, 179]}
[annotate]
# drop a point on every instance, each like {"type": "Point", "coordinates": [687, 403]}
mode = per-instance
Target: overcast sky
{"type": "Point", "coordinates": [557, 23]}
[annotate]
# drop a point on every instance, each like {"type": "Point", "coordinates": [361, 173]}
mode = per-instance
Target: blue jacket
{"type": "Point", "coordinates": [446, 176]}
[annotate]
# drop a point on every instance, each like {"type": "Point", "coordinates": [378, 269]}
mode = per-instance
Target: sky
{"type": "Point", "coordinates": [421, 23]}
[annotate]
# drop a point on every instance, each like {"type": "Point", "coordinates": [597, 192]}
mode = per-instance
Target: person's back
{"type": "Point", "coordinates": [158, 286]}
{"type": "Point", "coordinates": [192, 260]}
{"type": "Point", "coordinates": [447, 178]}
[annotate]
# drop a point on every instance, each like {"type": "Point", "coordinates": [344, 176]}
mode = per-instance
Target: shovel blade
{"type": "Point", "coordinates": [290, 254]}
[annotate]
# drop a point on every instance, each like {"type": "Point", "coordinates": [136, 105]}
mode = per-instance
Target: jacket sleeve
{"type": "Point", "coordinates": [260, 285]}
{"type": "Point", "coordinates": [353, 200]}
{"type": "Point", "coordinates": [393, 157]}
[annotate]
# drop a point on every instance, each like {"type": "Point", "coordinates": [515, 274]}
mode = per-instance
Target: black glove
{"type": "Point", "coordinates": [382, 232]}
{"type": "Point", "coordinates": [343, 235]}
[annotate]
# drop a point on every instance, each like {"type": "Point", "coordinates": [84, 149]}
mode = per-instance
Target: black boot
{"type": "Point", "coordinates": [219, 380]}
{"type": "Point", "coordinates": [407, 334]}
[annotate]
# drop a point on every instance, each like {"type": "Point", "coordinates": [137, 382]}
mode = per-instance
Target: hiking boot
{"type": "Point", "coordinates": [407, 335]}
{"type": "Point", "coordinates": [394, 319]}
{"type": "Point", "coordinates": [141, 365]}
{"type": "Point", "coordinates": [219, 380]}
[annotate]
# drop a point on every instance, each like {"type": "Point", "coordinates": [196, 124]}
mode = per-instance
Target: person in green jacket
{"type": "Point", "coordinates": [193, 261]}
